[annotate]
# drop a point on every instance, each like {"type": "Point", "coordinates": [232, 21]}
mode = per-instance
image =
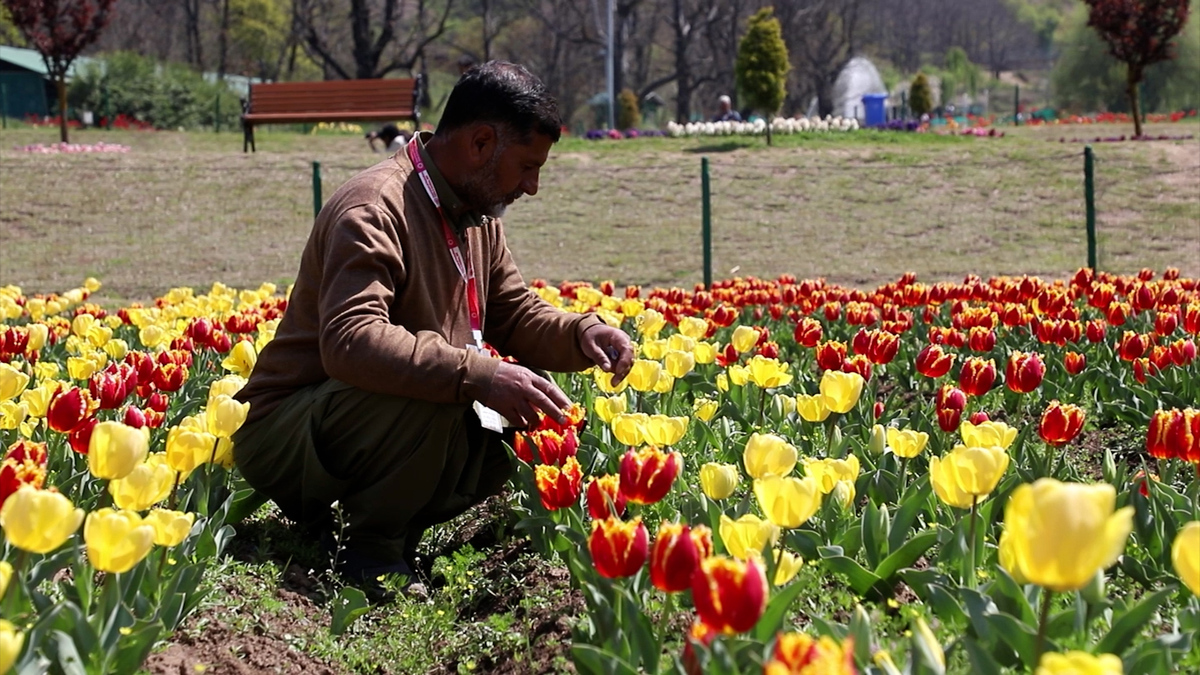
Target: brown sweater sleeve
{"type": "Point", "coordinates": [363, 264]}
{"type": "Point", "coordinates": [522, 325]}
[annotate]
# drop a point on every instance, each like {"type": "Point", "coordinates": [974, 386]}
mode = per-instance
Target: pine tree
{"type": "Point", "coordinates": [628, 115]}
{"type": "Point", "coordinates": [920, 97]}
{"type": "Point", "coordinates": [762, 65]}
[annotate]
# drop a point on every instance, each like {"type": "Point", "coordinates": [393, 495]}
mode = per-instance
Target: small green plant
{"type": "Point", "coordinates": [762, 65]}
{"type": "Point", "coordinates": [628, 114]}
{"type": "Point", "coordinates": [920, 97]}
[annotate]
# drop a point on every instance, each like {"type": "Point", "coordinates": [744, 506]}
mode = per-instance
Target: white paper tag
{"type": "Point", "coordinates": [489, 419]}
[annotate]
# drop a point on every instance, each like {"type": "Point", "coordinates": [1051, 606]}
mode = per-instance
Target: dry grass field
{"type": "Point", "coordinates": [858, 209]}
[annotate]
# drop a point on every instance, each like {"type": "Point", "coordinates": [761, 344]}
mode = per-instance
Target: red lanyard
{"type": "Point", "coordinates": [463, 263]}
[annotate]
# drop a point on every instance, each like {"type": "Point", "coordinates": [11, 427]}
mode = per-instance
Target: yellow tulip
{"type": "Point", "coordinates": [767, 455]}
{"type": "Point", "coordinates": [11, 641]}
{"type": "Point", "coordinates": [153, 336]}
{"type": "Point", "coordinates": [744, 338]}
{"type": "Point", "coordinates": [241, 359]}
{"type": "Point", "coordinates": [148, 484]}
{"type": "Point", "coordinates": [679, 363]}
{"type": "Point", "coordinates": [604, 382]}
{"type": "Point", "coordinates": [693, 327]}
{"type": "Point", "coordinates": [170, 527]}
{"type": "Point", "coordinates": [717, 480]}
{"type": "Point", "coordinates": [1061, 534]}
{"type": "Point", "coordinates": [768, 373]}
{"type": "Point", "coordinates": [787, 565]}
{"type": "Point", "coordinates": [1079, 663]}
{"type": "Point", "coordinates": [786, 405]}
{"type": "Point", "coordinates": [5, 576]}
{"type": "Point", "coordinates": [116, 349]}
{"type": "Point", "coordinates": [188, 448]}
{"type": "Point", "coordinates": [654, 350]}
{"type": "Point", "coordinates": [829, 472]}
{"type": "Point", "coordinates": [812, 408]}
{"type": "Point", "coordinates": [12, 381]}
{"type": "Point", "coordinates": [46, 370]}
{"type": "Point", "coordinates": [12, 414]}
{"type": "Point", "coordinates": [115, 449]}
{"type": "Point", "coordinates": [661, 430]}
{"type": "Point", "coordinates": [704, 409]}
{"type": "Point", "coordinates": [649, 323]}
{"type": "Point", "coordinates": [1185, 556]}
{"type": "Point", "coordinates": [225, 415]}
{"type": "Point", "coordinates": [38, 521]}
{"type": "Point", "coordinates": [843, 494]}
{"type": "Point", "coordinates": [681, 343]}
{"type": "Point", "coordinates": [644, 374]}
{"type": "Point", "coordinates": [788, 502]}
{"type": "Point", "coordinates": [878, 442]}
{"type": "Point", "coordinates": [841, 390]}
{"type": "Point", "coordinates": [98, 335]}
{"type": "Point", "coordinates": [116, 540]}
{"type": "Point", "coordinates": [665, 382]}
{"type": "Point", "coordinates": [39, 333]}
{"type": "Point", "coordinates": [630, 307]}
{"type": "Point", "coordinates": [228, 385]}
{"type": "Point", "coordinates": [80, 367]}
{"type": "Point", "coordinates": [630, 428]}
{"type": "Point", "coordinates": [81, 324]}
{"type": "Point", "coordinates": [746, 535]}
{"type": "Point", "coordinates": [609, 407]}
{"type": "Point", "coordinates": [906, 443]}
{"type": "Point", "coordinates": [705, 353]}
{"type": "Point", "coordinates": [739, 375]}
{"type": "Point", "coordinates": [1007, 557]}
{"type": "Point", "coordinates": [223, 456]}
{"type": "Point", "coordinates": [987, 434]}
{"type": "Point", "coordinates": [966, 475]}
{"type": "Point", "coordinates": [722, 382]}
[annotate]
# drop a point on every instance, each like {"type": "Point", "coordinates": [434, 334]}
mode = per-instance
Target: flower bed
{"type": "Point", "coordinates": [780, 125]}
{"type": "Point", "coordinates": [916, 448]}
{"type": "Point", "coordinates": [71, 148]}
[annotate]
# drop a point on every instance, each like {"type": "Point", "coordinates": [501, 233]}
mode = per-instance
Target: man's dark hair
{"type": "Point", "coordinates": [504, 94]}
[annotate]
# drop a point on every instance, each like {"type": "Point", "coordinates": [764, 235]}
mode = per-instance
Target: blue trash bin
{"type": "Point", "coordinates": [876, 114]}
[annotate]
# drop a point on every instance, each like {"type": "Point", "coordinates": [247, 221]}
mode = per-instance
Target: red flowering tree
{"type": "Point", "coordinates": [1139, 34]}
{"type": "Point", "coordinates": [60, 30]}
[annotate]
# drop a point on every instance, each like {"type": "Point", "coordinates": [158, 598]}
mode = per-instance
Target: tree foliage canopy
{"type": "Point", "coordinates": [762, 63]}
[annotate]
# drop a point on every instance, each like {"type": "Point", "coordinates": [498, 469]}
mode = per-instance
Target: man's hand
{"type": "Point", "coordinates": [608, 348]}
{"type": "Point", "coordinates": [518, 393]}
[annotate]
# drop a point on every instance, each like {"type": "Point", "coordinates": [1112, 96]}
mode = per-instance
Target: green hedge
{"type": "Point", "coordinates": [167, 96]}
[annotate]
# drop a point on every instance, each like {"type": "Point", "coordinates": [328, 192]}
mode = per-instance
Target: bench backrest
{"type": "Point", "coordinates": [332, 96]}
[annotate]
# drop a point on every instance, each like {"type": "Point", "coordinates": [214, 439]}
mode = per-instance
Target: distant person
{"type": "Point", "coordinates": [725, 112]}
{"type": "Point", "coordinates": [393, 138]}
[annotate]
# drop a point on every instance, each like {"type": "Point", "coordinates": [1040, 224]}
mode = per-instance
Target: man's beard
{"type": "Point", "coordinates": [479, 191]}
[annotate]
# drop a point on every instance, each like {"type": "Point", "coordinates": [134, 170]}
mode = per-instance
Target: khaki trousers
{"type": "Point", "coordinates": [397, 465]}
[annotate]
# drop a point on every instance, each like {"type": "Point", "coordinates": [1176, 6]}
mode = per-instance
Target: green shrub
{"type": "Point", "coordinates": [169, 96]}
{"type": "Point", "coordinates": [628, 114]}
{"type": "Point", "coordinates": [920, 97]}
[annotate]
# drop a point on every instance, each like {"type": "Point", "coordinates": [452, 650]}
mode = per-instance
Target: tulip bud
{"type": "Point", "coordinates": [116, 540]}
{"type": "Point", "coordinates": [718, 481]}
{"type": "Point", "coordinates": [38, 521]}
{"type": "Point", "coordinates": [647, 475]}
{"type": "Point", "coordinates": [949, 419]}
{"type": "Point", "coordinates": [878, 442]}
{"type": "Point", "coordinates": [1061, 423]}
{"type": "Point", "coordinates": [977, 376]}
{"type": "Point", "coordinates": [604, 497]}
{"type": "Point", "coordinates": [677, 553]}
{"type": "Point", "coordinates": [704, 409]}
{"type": "Point", "coordinates": [559, 488]}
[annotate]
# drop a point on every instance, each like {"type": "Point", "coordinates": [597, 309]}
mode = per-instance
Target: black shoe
{"type": "Point", "coordinates": [368, 574]}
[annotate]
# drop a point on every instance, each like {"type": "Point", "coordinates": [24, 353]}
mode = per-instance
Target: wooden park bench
{"type": "Point", "coordinates": [330, 101]}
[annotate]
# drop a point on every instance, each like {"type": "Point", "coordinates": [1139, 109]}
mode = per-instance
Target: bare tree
{"type": "Point", "coordinates": [383, 36]}
{"type": "Point", "coordinates": [822, 36]}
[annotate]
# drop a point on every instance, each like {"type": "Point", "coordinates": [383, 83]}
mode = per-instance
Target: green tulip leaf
{"type": "Point", "coordinates": [981, 662]}
{"type": "Point", "coordinates": [1010, 597]}
{"type": "Point", "coordinates": [591, 660]}
{"type": "Point", "coordinates": [874, 533]}
{"type": "Point", "coordinates": [638, 630]}
{"type": "Point", "coordinates": [945, 605]}
{"type": "Point", "coordinates": [65, 655]}
{"type": "Point", "coordinates": [859, 578]}
{"type": "Point", "coordinates": [1018, 635]}
{"type": "Point", "coordinates": [1126, 627]}
{"type": "Point", "coordinates": [771, 620]}
{"type": "Point", "coordinates": [910, 508]}
{"type": "Point", "coordinates": [135, 646]}
{"type": "Point", "coordinates": [907, 554]}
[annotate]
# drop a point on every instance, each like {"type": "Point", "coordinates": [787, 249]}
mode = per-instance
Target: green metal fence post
{"type": "Point", "coordinates": [1017, 105]}
{"type": "Point", "coordinates": [107, 110]}
{"type": "Point", "coordinates": [217, 114]}
{"type": "Point", "coordinates": [3, 107]}
{"type": "Point", "coordinates": [316, 188]}
{"type": "Point", "coordinates": [706, 222]}
{"type": "Point", "coordinates": [1089, 195]}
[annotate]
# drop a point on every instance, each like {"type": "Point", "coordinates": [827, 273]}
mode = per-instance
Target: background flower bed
{"type": "Point", "coordinates": [710, 410]}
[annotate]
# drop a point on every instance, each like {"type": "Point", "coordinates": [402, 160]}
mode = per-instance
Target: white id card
{"type": "Point", "coordinates": [488, 419]}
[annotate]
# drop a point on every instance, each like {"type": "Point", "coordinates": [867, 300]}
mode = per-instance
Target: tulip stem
{"type": "Point", "coordinates": [903, 477]}
{"type": "Point", "coordinates": [762, 405]}
{"type": "Point", "coordinates": [1043, 619]}
{"type": "Point", "coordinates": [970, 571]}
{"type": "Point", "coordinates": [664, 619]}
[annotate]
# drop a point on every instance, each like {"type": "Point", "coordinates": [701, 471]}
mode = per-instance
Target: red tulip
{"type": "Point", "coordinates": [981, 339]}
{"type": "Point", "coordinates": [950, 396]}
{"type": "Point", "coordinates": [831, 355]}
{"type": "Point", "coordinates": [1096, 330]}
{"type": "Point", "coordinates": [1132, 345]}
{"type": "Point", "coordinates": [1024, 372]}
{"type": "Point", "coordinates": [808, 332]}
{"type": "Point", "coordinates": [555, 448]}
{"type": "Point", "coordinates": [523, 447]}
{"type": "Point", "coordinates": [883, 347]}
{"type": "Point", "coordinates": [1116, 313]}
{"type": "Point", "coordinates": [23, 464]}
{"type": "Point", "coordinates": [559, 488]}
{"type": "Point", "coordinates": [618, 549]}
{"type": "Point", "coordinates": [68, 408]}
{"type": "Point", "coordinates": [1061, 423]}
{"type": "Point", "coordinates": [858, 363]}
{"type": "Point", "coordinates": [878, 409]}
{"type": "Point", "coordinates": [647, 474]}
{"type": "Point", "coordinates": [81, 436]}
{"type": "Point", "coordinates": [1191, 318]}
{"type": "Point", "coordinates": [730, 595]}
{"type": "Point", "coordinates": [678, 550]}
{"type": "Point", "coordinates": [978, 417]}
{"type": "Point", "coordinates": [977, 376]}
{"type": "Point", "coordinates": [1142, 368]}
{"type": "Point", "coordinates": [1165, 323]}
{"type": "Point", "coordinates": [1074, 362]}
{"type": "Point", "coordinates": [949, 419]}
{"type": "Point", "coordinates": [604, 498]}
{"type": "Point", "coordinates": [1183, 352]}
{"type": "Point", "coordinates": [170, 377]}
{"type": "Point", "coordinates": [933, 362]}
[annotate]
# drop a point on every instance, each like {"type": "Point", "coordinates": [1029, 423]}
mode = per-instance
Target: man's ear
{"type": "Point", "coordinates": [482, 143]}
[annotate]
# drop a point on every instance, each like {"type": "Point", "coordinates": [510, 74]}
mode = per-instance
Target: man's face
{"type": "Point", "coordinates": [511, 171]}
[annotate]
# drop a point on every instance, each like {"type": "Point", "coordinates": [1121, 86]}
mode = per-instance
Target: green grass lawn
{"type": "Point", "coordinates": [858, 209]}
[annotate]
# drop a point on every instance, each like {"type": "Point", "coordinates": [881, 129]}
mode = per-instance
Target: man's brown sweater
{"type": "Point", "coordinates": [379, 304]}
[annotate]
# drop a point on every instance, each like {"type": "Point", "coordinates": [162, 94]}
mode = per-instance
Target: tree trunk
{"type": "Point", "coordinates": [61, 83]}
{"type": "Point", "coordinates": [223, 41]}
{"type": "Point", "coordinates": [1131, 83]}
{"type": "Point", "coordinates": [768, 116]}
